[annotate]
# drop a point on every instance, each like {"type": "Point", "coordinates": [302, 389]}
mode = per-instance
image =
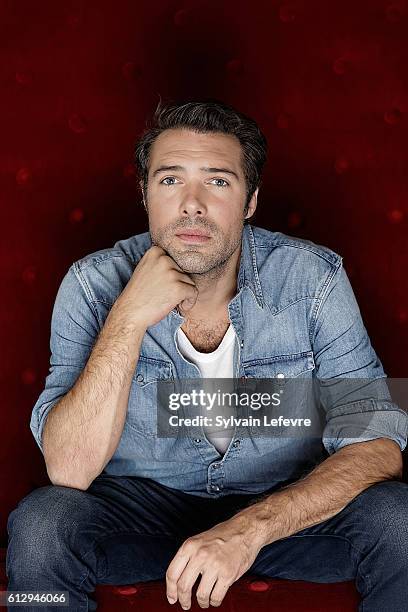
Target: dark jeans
{"type": "Point", "coordinates": [124, 530]}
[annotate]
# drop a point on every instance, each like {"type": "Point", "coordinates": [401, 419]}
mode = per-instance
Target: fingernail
{"type": "Point", "coordinates": [171, 600]}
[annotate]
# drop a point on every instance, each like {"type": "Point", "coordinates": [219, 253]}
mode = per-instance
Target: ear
{"type": "Point", "coordinates": [252, 204]}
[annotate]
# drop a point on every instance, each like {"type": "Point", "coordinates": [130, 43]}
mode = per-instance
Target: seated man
{"type": "Point", "coordinates": [205, 294]}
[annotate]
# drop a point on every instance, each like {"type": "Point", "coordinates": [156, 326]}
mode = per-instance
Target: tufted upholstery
{"type": "Point", "coordinates": [245, 594]}
{"type": "Point", "coordinates": [326, 82]}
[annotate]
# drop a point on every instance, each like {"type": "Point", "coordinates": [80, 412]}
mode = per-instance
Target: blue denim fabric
{"type": "Point", "coordinates": [123, 530]}
{"type": "Point", "coordinates": [294, 314]}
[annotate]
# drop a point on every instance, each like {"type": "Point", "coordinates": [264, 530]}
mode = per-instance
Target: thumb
{"type": "Point", "coordinates": [188, 303]}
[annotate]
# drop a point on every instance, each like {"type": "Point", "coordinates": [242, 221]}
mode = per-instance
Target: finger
{"type": "Point", "coordinates": [189, 299]}
{"type": "Point", "coordinates": [184, 278]}
{"type": "Point", "coordinates": [173, 573]}
{"type": "Point", "coordinates": [205, 587]}
{"type": "Point", "coordinates": [185, 584]}
{"type": "Point", "coordinates": [157, 250]}
{"type": "Point", "coordinates": [219, 591]}
{"type": "Point", "coordinates": [186, 305]}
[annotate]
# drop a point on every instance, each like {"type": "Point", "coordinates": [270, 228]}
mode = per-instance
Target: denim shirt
{"type": "Point", "coordinates": [294, 315]}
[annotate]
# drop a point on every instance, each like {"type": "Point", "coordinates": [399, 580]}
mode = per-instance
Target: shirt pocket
{"type": "Point", "coordinates": [295, 396]}
{"type": "Point", "coordinates": [142, 404]}
{"type": "Point", "coordinates": [281, 366]}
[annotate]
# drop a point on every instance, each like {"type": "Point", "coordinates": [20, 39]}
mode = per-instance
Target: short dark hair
{"type": "Point", "coordinates": [210, 115]}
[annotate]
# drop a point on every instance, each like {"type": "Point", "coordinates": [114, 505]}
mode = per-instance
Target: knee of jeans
{"type": "Point", "coordinates": [43, 518]}
{"type": "Point", "coordinates": [384, 511]}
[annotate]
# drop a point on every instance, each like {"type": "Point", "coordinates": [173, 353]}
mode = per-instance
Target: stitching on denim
{"type": "Point", "coordinates": [353, 548]}
{"type": "Point", "coordinates": [319, 301]}
{"type": "Point", "coordinates": [331, 535]}
{"type": "Point", "coordinates": [252, 248]}
{"type": "Point", "coordinates": [88, 294]}
{"type": "Point", "coordinates": [306, 297]}
{"type": "Point", "coordinates": [93, 260]}
{"type": "Point", "coordinates": [283, 242]}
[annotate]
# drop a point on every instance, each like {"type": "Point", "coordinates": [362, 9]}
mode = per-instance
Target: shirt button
{"type": "Point", "coordinates": [236, 443]}
{"type": "Point", "coordinates": [280, 375]}
{"type": "Point", "coordinates": [215, 487]}
{"type": "Point", "coordinates": [197, 440]}
{"type": "Point", "coordinates": [139, 377]}
{"type": "Point", "coordinates": [215, 466]}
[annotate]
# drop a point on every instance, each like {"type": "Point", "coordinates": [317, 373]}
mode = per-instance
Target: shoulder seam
{"type": "Point", "coordinates": [323, 293]}
{"type": "Point", "coordinates": [86, 289]}
{"type": "Point", "coordinates": [95, 260]}
{"type": "Point", "coordinates": [332, 258]}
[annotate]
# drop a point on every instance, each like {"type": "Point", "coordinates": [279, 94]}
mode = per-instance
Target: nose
{"type": "Point", "coordinates": [192, 204]}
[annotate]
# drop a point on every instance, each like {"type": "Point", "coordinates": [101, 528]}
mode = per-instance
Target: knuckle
{"type": "Point", "coordinates": [202, 556]}
{"type": "Point", "coordinates": [189, 543]}
{"type": "Point", "coordinates": [183, 587]}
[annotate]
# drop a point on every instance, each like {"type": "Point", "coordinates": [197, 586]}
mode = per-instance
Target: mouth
{"type": "Point", "coordinates": [193, 236]}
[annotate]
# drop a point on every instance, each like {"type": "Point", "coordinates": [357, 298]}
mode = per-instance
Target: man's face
{"type": "Point", "coordinates": [206, 191]}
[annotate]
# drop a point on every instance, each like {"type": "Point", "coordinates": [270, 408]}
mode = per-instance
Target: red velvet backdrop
{"type": "Point", "coordinates": [327, 82]}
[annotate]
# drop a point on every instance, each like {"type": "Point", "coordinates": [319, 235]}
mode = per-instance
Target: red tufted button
{"type": "Point", "coordinates": [341, 165]}
{"type": "Point", "coordinates": [73, 20]}
{"type": "Point", "coordinates": [28, 376]}
{"type": "Point", "coordinates": [126, 590]}
{"type": "Point", "coordinates": [287, 13]}
{"type": "Point", "coordinates": [131, 70]}
{"type": "Point", "coordinates": [180, 17]}
{"type": "Point", "coordinates": [396, 215]}
{"type": "Point", "coordinates": [129, 171]}
{"type": "Point", "coordinates": [340, 65]}
{"type": "Point", "coordinates": [294, 219]}
{"type": "Point", "coordinates": [394, 11]}
{"type": "Point", "coordinates": [393, 116]}
{"type": "Point", "coordinates": [24, 78]}
{"type": "Point", "coordinates": [76, 215]}
{"type": "Point", "coordinates": [23, 176]}
{"type": "Point", "coordinates": [234, 66]}
{"type": "Point", "coordinates": [258, 585]}
{"type": "Point", "coordinates": [283, 121]}
{"type": "Point", "coordinates": [29, 275]}
{"type": "Point", "coordinates": [77, 123]}
{"type": "Point", "coordinates": [403, 315]}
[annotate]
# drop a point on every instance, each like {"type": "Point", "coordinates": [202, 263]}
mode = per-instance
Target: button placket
{"type": "Point", "coordinates": [216, 477]}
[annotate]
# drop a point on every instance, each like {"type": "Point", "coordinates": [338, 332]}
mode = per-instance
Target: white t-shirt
{"type": "Point", "coordinates": [218, 364]}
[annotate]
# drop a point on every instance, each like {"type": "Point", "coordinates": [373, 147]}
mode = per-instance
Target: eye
{"type": "Point", "coordinates": [167, 178]}
{"type": "Point", "coordinates": [221, 179]}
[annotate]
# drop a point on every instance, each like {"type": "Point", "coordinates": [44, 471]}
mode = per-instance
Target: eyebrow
{"type": "Point", "coordinates": [204, 169]}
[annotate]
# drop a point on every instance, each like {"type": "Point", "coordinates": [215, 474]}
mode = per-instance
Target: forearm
{"type": "Point", "coordinates": [83, 429]}
{"type": "Point", "coordinates": [324, 492]}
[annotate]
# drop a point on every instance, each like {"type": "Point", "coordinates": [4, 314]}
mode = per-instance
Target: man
{"type": "Point", "coordinates": [204, 293]}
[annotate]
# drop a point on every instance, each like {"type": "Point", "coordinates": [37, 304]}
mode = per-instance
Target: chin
{"type": "Point", "coordinates": [192, 263]}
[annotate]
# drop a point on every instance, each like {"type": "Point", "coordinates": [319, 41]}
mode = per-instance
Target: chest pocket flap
{"type": "Point", "coordinates": [280, 366]}
{"type": "Point", "coordinates": [150, 369]}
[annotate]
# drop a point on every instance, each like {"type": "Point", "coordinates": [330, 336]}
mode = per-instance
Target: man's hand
{"type": "Point", "coordinates": [221, 555]}
{"type": "Point", "coordinates": [156, 286]}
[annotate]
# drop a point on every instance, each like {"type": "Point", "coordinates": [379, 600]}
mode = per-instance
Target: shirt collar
{"type": "Point", "coordinates": [248, 271]}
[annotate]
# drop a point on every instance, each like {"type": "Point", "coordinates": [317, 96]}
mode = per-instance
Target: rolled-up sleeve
{"type": "Point", "coordinates": [356, 410]}
{"type": "Point", "coordinates": [74, 329]}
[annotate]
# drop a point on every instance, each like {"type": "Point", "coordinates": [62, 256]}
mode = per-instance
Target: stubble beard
{"type": "Point", "coordinates": [201, 263]}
